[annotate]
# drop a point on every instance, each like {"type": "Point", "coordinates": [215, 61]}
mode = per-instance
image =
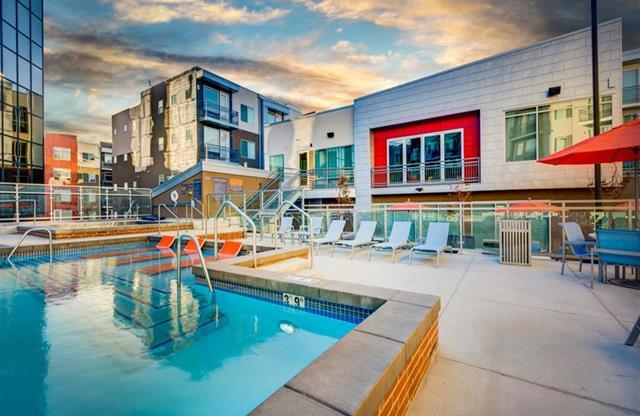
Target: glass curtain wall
{"type": "Point", "coordinates": [22, 158]}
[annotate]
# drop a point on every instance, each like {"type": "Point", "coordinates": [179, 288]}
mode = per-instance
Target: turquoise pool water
{"type": "Point", "coordinates": [89, 337]}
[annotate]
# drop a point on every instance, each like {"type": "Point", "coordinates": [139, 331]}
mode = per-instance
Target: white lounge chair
{"type": "Point", "coordinates": [316, 225]}
{"type": "Point", "coordinates": [333, 234]}
{"type": "Point", "coordinates": [436, 241]}
{"type": "Point", "coordinates": [398, 239]}
{"type": "Point", "coordinates": [286, 228]}
{"type": "Point", "coordinates": [580, 246]}
{"type": "Point", "coordinates": [364, 237]}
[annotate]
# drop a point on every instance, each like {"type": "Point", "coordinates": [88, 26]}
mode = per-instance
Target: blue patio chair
{"type": "Point", "coordinates": [616, 247]}
{"type": "Point", "coordinates": [580, 246]}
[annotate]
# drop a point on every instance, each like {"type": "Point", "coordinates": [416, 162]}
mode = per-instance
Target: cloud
{"type": "Point", "coordinates": [353, 53]}
{"type": "Point", "coordinates": [220, 39]}
{"type": "Point", "coordinates": [218, 12]}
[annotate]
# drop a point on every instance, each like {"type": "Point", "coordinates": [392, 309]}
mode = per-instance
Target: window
{"type": "Point", "coordinates": [62, 195]}
{"type": "Point", "coordinates": [61, 174]}
{"type": "Point", "coordinates": [115, 131]}
{"type": "Point", "coordinates": [160, 144]}
{"type": "Point", "coordinates": [188, 136]}
{"type": "Point", "coordinates": [535, 132]}
{"type": "Point", "coordinates": [217, 143]}
{"type": "Point", "coordinates": [274, 116]}
{"type": "Point", "coordinates": [61, 153]}
{"type": "Point", "coordinates": [174, 99]}
{"type": "Point", "coordinates": [630, 86]}
{"type": "Point", "coordinates": [173, 138]}
{"type": "Point", "coordinates": [125, 128]}
{"type": "Point", "coordinates": [187, 93]}
{"type": "Point", "coordinates": [330, 165]}
{"type": "Point", "coordinates": [125, 157]}
{"type": "Point", "coordinates": [276, 163]}
{"type": "Point", "coordinates": [161, 179]}
{"type": "Point", "coordinates": [135, 184]}
{"type": "Point", "coordinates": [89, 178]}
{"type": "Point", "coordinates": [86, 156]}
{"type": "Point", "coordinates": [246, 114]}
{"type": "Point", "coordinates": [247, 149]}
{"type": "Point", "coordinates": [160, 106]}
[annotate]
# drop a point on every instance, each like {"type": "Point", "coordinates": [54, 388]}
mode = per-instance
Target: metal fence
{"type": "Point", "coordinates": [35, 202]}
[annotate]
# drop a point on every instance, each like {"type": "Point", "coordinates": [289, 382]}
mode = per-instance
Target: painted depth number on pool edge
{"type": "Point", "coordinates": [293, 300]}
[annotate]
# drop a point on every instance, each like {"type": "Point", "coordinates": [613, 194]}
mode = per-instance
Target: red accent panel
{"type": "Point", "coordinates": [470, 122]}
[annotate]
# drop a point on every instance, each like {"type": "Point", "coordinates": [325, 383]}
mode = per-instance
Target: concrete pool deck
{"type": "Point", "coordinates": [513, 340]}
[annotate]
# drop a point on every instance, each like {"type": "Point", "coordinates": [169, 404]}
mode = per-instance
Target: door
{"type": "Point", "coordinates": [396, 159]}
{"type": "Point", "coordinates": [412, 160]}
{"type": "Point", "coordinates": [432, 158]}
{"type": "Point", "coordinates": [224, 106]}
{"type": "Point", "coordinates": [452, 144]}
{"type": "Point", "coordinates": [303, 166]}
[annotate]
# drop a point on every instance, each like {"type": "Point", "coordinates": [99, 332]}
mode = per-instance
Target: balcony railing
{"type": "Point", "coordinates": [326, 178]}
{"type": "Point", "coordinates": [429, 173]}
{"type": "Point", "coordinates": [631, 95]}
{"type": "Point", "coordinates": [216, 152]}
{"type": "Point", "coordinates": [216, 112]}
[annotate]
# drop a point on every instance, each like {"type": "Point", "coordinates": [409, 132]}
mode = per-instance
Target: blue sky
{"type": "Point", "coordinates": [315, 54]}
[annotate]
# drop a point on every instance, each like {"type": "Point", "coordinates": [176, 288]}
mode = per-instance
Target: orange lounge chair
{"type": "Point", "coordinates": [228, 250]}
{"type": "Point", "coordinates": [165, 243]}
{"type": "Point", "coordinates": [191, 246]}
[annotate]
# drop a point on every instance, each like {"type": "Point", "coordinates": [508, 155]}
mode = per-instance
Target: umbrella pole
{"type": "Point", "coordinates": [635, 185]}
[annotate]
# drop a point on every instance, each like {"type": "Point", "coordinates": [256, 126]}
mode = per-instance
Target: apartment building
{"type": "Point", "coordinates": [23, 92]}
{"type": "Point", "coordinates": [320, 146]}
{"type": "Point", "coordinates": [88, 163]}
{"type": "Point", "coordinates": [106, 164]}
{"type": "Point", "coordinates": [631, 84]}
{"type": "Point", "coordinates": [191, 123]}
{"type": "Point", "coordinates": [478, 128]}
{"type": "Point", "coordinates": [61, 159]}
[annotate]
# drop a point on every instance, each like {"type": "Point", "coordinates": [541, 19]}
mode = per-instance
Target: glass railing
{"type": "Point", "coordinates": [224, 153]}
{"type": "Point", "coordinates": [32, 202]}
{"type": "Point", "coordinates": [631, 95]}
{"type": "Point", "coordinates": [214, 111]}
{"type": "Point", "coordinates": [326, 178]}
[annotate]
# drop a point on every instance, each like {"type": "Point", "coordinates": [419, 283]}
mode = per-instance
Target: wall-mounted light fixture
{"type": "Point", "coordinates": [553, 91]}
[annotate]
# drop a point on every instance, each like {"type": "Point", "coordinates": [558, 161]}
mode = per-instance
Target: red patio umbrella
{"type": "Point", "coordinates": [620, 144]}
{"type": "Point", "coordinates": [405, 206]}
{"type": "Point", "coordinates": [529, 207]}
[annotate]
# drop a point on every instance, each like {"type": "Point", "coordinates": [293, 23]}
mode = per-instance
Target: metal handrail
{"type": "Point", "coordinates": [228, 203]}
{"type": "Point", "coordinates": [29, 231]}
{"type": "Point", "coordinates": [200, 255]}
{"type": "Point", "coordinates": [170, 212]}
{"type": "Point", "coordinates": [35, 208]}
{"type": "Point", "coordinates": [303, 212]}
{"type": "Point", "coordinates": [205, 219]}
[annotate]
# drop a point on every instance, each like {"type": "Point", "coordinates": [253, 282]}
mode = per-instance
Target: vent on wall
{"type": "Point", "coordinates": [330, 135]}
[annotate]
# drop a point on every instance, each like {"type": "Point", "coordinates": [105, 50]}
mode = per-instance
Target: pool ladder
{"type": "Point", "coordinates": [29, 231]}
{"type": "Point", "coordinates": [202, 262]}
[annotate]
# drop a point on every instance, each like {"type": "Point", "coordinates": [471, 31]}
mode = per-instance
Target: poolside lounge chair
{"type": "Point", "coordinates": [165, 243]}
{"type": "Point", "coordinates": [229, 250]}
{"type": "Point", "coordinates": [286, 228]}
{"type": "Point", "coordinates": [364, 238]}
{"type": "Point", "coordinates": [435, 243]}
{"type": "Point", "coordinates": [191, 248]}
{"type": "Point", "coordinates": [580, 247]}
{"type": "Point", "coordinates": [316, 225]}
{"type": "Point", "coordinates": [333, 234]}
{"type": "Point", "coordinates": [398, 239]}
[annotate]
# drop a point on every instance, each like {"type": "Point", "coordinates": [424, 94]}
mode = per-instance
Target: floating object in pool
{"type": "Point", "coordinates": [287, 327]}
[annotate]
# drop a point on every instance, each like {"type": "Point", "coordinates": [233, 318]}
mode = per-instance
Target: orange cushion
{"type": "Point", "coordinates": [191, 246]}
{"type": "Point", "coordinates": [165, 242]}
{"type": "Point", "coordinates": [230, 249]}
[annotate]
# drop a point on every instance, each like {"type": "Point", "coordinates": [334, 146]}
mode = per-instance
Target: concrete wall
{"type": "Point", "coordinates": [508, 81]}
{"type": "Point", "coordinates": [309, 132]}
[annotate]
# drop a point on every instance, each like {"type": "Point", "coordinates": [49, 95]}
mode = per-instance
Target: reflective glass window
{"type": "Point", "coordinates": [24, 20]}
{"type": "Point", "coordinates": [36, 79]}
{"type": "Point", "coordinates": [24, 73]}
{"type": "Point", "coordinates": [36, 30]}
{"type": "Point", "coordinates": [8, 36]}
{"type": "Point", "coordinates": [37, 106]}
{"type": "Point", "coordinates": [24, 46]}
{"type": "Point", "coordinates": [9, 11]}
{"type": "Point", "coordinates": [36, 54]}
{"type": "Point", "coordinates": [9, 65]}
{"type": "Point", "coordinates": [36, 7]}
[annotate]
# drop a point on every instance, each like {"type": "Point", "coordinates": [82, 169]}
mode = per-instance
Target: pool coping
{"type": "Point", "coordinates": [375, 368]}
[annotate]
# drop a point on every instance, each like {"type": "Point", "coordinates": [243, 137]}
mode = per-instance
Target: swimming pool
{"type": "Point", "coordinates": [83, 336]}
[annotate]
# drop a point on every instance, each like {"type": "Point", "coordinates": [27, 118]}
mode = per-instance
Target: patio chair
{"type": "Point", "coordinates": [333, 234]}
{"type": "Point", "coordinates": [580, 247]}
{"type": "Point", "coordinates": [364, 238]}
{"type": "Point", "coordinates": [435, 243]}
{"type": "Point", "coordinates": [229, 250]}
{"type": "Point", "coordinates": [316, 225]}
{"type": "Point", "coordinates": [286, 228]}
{"type": "Point", "coordinates": [398, 239]}
{"type": "Point", "coordinates": [616, 247]}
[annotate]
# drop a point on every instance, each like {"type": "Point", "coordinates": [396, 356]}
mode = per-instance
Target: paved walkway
{"type": "Point", "coordinates": [514, 340]}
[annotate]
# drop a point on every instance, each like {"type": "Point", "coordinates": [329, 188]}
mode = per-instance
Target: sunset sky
{"type": "Point", "coordinates": [315, 54]}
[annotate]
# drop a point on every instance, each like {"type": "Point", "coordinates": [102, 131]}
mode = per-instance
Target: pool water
{"type": "Point", "coordinates": [88, 336]}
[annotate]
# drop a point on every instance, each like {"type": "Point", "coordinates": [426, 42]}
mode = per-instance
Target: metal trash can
{"type": "Point", "coordinates": [515, 242]}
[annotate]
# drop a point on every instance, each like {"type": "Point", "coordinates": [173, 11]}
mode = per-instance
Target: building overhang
{"type": "Point", "coordinates": [211, 78]}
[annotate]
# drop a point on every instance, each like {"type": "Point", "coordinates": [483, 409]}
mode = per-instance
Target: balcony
{"type": "Point", "coordinates": [217, 114]}
{"type": "Point", "coordinates": [223, 153]}
{"type": "Point", "coordinates": [326, 178]}
{"type": "Point", "coordinates": [429, 173]}
{"type": "Point", "coordinates": [631, 95]}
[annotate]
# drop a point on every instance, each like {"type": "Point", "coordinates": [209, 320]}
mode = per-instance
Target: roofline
{"type": "Point", "coordinates": [501, 54]}
{"type": "Point", "coordinates": [314, 114]}
{"type": "Point", "coordinates": [631, 56]}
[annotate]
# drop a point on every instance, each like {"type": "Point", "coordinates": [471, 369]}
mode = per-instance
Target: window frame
{"type": "Point", "coordinates": [250, 144]}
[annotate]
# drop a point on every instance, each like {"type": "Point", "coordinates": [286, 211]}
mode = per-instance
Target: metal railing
{"type": "Point", "coordinates": [326, 178]}
{"type": "Point", "coordinates": [245, 217]}
{"type": "Point", "coordinates": [202, 261]}
{"type": "Point", "coordinates": [29, 231]}
{"type": "Point", "coordinates": [204, 217]}
{"type": "Point", "coordinates": [214, 111]}
{"type": "Point", "coordinates": [631, 95]}
{"type": "Point", "coordinates": [70, 202]}
{"type": "Point", "coordinates": [428, 173]}
{"type": "Point", "coordinates": [288, 205]}
{"type": "Point", "coordinates": [173, 214]}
